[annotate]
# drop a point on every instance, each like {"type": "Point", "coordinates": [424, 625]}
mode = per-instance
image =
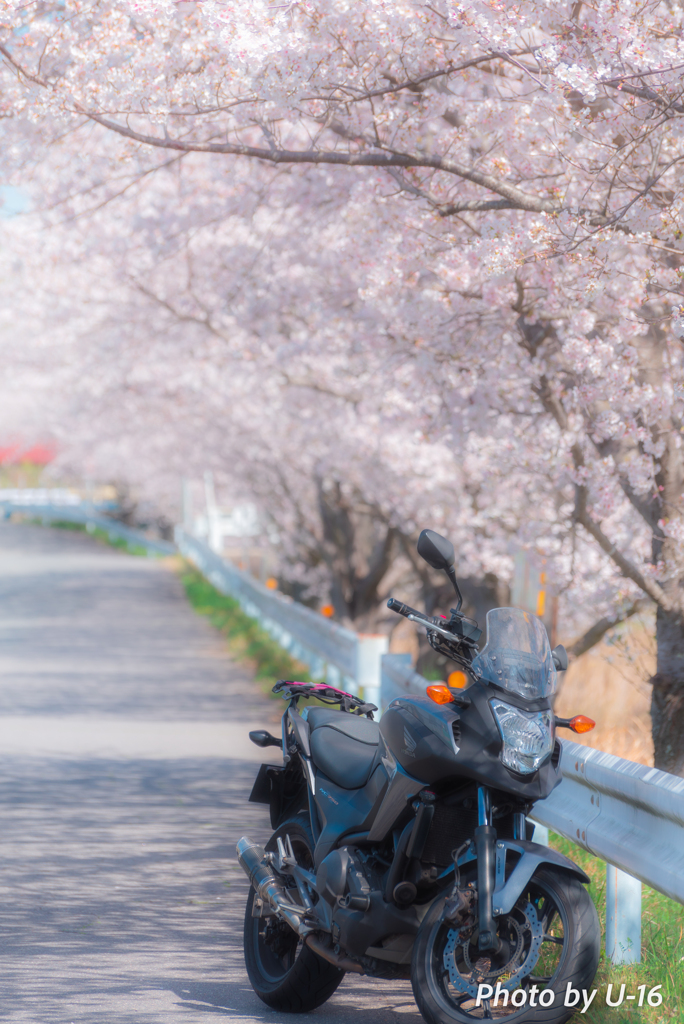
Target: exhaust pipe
{"type": "Point", "coordinates": [252, 860]}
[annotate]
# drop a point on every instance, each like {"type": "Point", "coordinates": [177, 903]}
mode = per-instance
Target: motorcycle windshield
{"type": "Point", "coordinates": [517, 655]}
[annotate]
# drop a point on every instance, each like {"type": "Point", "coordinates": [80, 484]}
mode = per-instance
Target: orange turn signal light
{"type": "Point", "coordinates": [439, 692]}
{"type": "Point", "coordinates": [580, 723]}
{"type": "Point", "coordinates": [457, 680]}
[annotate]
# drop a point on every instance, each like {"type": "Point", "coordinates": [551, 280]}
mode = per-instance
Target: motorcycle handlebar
{"type": "Point", "coordinates": [404, 609]}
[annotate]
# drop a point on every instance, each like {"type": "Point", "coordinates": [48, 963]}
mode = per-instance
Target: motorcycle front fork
{"type": "Point", "coordinates": [485, 851]}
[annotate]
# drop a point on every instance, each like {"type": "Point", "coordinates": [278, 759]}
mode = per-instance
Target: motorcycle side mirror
{"type": "Point", "coordinates": [438, 552]}
{"type": "Point", "coordinates": [560, 657]}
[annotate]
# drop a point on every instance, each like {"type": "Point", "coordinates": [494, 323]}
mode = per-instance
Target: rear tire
{"type": "Point", "coordinates": [568, 954]}
{"type": "Point", "coordinates": [284, 972]}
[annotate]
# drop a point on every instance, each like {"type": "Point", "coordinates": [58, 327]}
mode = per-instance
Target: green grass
{"type": "Point", "coordinates": [61, 524]}
{"type": "Point", "coordinates": [662, 953]}
{"type": "Point", "coordinates": [123, 545]}
{"type": "Point", "coordinates": [434, 675]}
{"type": "Point", "coordinates": [246, 639]}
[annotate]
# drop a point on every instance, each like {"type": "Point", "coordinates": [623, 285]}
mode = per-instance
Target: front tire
{"type": "Point", "coordinates": [284, 972]}
{"type": "Point", "coordinates": [552, 936]}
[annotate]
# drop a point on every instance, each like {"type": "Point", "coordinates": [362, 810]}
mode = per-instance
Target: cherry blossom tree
{"type": "Point", "coordinates": [458, 219]}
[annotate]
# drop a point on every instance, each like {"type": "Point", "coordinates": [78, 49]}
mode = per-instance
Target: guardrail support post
{"type": "Point", "coordinates": [186, 501]}
{"type": "Point", "coordinates": [623, 916]}
{"type": "Point", "coordinates": [392, 665]}
{"type": "Point", "coordinates": [370, 649]}
{"type": "Point", "coordinates": [214, 535]}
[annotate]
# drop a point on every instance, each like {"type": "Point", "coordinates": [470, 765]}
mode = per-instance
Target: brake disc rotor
{"type": "Point", "coordinates": [481, 972]}
{"type": "Point", "coordinates": [479, 968]}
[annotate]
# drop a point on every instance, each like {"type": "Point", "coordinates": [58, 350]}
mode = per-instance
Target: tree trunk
{"type": "Point", "coordinates": [663, 513]}
{"type": "Point", "coordinates": [667, 699]}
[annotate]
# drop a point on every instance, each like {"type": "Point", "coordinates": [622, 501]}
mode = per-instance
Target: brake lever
{"type": "Point", "coordinates": [437, 629]}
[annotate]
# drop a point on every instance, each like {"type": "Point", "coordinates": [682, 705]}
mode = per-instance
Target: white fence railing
{"type": "Point", "coordinates": [36, 504]}
{"type": "Point", "coordinates": [627, 814]}
{"type": "Point", "coordinates": [331, 651]}
{"type": "Point", "coordinates": [19, 496]}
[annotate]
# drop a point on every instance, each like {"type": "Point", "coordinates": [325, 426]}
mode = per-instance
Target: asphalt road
{"type": "Point", "coordinates": [124, 773]}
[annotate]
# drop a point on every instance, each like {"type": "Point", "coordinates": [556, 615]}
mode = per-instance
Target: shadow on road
{"type": "Point", "coordinates": [121, 900]}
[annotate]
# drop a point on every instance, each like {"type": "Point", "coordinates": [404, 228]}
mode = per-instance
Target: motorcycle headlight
{"type": "Point", "coordinates": [527, 736]}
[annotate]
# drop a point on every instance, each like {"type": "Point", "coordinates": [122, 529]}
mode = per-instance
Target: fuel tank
{"type": "Point", "coordinates": [421, 737]}
{"type": "Point", "coordinates": [437, 742]}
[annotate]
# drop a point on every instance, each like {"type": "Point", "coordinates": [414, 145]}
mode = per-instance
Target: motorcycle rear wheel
{"type": "Point", "coordinates": [285, 973]}
{"type": "Point", "coordinates": [568, 954]}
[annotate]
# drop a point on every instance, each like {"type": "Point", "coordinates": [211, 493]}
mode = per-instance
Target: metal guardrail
{"type": "Point", "coordinates": [331, 651]}
{"type": "Point", "coordinates": [344, 658]}
{"type": "Point", "coordinates": [625, 813]}
{"type": "Point", "coordinates": [629, 815]}
{"type": "Point", "coordinates": [398, 679]}
{"type": "Point", "coordinates": [30, 504]}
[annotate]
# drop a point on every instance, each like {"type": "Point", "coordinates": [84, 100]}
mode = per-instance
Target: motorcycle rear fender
{"type": "Point", "coordinates": [507, 891]}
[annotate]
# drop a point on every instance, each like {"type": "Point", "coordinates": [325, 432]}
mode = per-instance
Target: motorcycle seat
{"type": "Point", "coordinates": [343, 746]}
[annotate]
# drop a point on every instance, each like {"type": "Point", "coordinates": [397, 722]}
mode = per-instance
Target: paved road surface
{"type": "Point", "coordinates": [124, 769]}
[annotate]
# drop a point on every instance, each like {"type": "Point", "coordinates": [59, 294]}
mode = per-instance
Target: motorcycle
{"type": "Point", "coordinates": [401, 849]}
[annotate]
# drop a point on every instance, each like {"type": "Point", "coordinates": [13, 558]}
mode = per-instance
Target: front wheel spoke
{"type": "Point", "coordinates": [553, 938]}
{"type": "Point", "coordinates": [547, 918]}
{"type": "Point", "coordinates": [536, 978]}
{"type": "Point", "coordinates": [487, 1010]}
{"type": "Point", "coordinates": [460, 997]}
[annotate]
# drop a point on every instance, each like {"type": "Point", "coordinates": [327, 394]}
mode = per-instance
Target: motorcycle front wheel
{"type": "Point", "coordinates": [550, 939]}
{"type": "Point", "coordinates": [286, 974]}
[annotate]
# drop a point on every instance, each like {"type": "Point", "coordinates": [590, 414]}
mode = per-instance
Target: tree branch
{"type": "Point", "coordinates": [477, 205]}
{"type": "Point", "coordinates": [518, 199]}
{"type": "Point", "coordinates": [532, 336]}
{"type": "Point", "coordinates": [596, 633]}
{"type": "Point", "coordinates": [647, 508]}
{"type": "Point", "coordinates": [644, 93]}
{"type": "Point", "coordinates": [366, 589]}
{"type": "Point", "coordinates": [414, 84]}
{"type": "Point", "coordinates": [471, 205]}
{"type": "Point", "coordinates": [20, 70]}
{"type": "Point", "coordinates": [190, 318]}
{"type": "Point", "coordinates": [627, 568]}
